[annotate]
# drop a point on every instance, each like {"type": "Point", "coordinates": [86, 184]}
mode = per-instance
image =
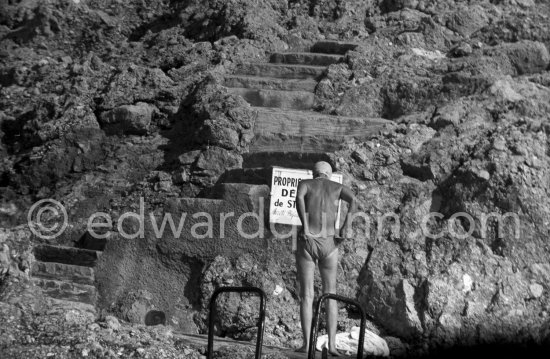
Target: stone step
{"type": "Point", "coordinates": [67, 290]}
{"type": "Point", "coordinates": [278, 130]}
{"type": "Point", "coordinates": [305, 58]}
{"type": "Point", "coordinates": [270, 83]}
{"type": "Point", "coordinates": [310, 123]}
{"type": "Point", "coordinates": [333, 47]}
{"type": "Point", "coordinates": [61, 305]}
{"type": "Point", "coordinates": [284, 71]}
{"type": "Point", "coordinates": [299, 144]}
{"type": "Point", "coordinates": [66, 255]}
{"type": "Point", "coordinates": [60, 271]}
{"type": "Point", "coordinates": [292, 100]}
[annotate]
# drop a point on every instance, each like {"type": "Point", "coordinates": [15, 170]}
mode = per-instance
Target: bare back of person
{"type": "Point", "coordinates": [321, 201]}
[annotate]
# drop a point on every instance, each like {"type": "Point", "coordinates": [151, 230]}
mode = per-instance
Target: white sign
{"type": "Point", "coordinates": [284, 185]}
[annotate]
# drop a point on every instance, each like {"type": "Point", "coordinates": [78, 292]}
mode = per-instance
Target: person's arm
{"type": "Point", "coordinates": [301, 205]}
{"type": "Point", "coordinates": [347, 195]}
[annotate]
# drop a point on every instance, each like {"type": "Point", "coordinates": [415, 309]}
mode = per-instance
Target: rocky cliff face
{"type": "Point", "coordinates": [106, 102]}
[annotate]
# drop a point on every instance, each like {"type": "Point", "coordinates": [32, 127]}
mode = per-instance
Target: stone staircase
{"type": "Point", "coordinates": [287, 133]}
{"type": "Point", "coordinates": [66, 274]}
{"type": "Point", "coordinates": [282, 94]}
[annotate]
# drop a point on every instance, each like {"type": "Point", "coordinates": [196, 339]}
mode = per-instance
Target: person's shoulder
{"type": "Point", "coordinates": [305, 183]}
{"type": "Point", "coordinates": [334, 184]}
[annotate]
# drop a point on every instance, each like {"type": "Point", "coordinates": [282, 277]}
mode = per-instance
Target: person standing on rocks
{"type": "Point", "coordinates": [317, 202]}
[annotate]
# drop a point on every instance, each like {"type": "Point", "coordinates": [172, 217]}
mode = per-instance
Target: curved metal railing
{"type": "Point", "coordinates": [315, 323]}
{"type": "Point", "coordinates": [212, 310]}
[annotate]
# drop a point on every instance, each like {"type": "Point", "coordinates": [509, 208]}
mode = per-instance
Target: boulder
{"type": "Point", "coordinates": [135, 83]}
{"type": "Point", "coordinates": [217, 160]}
{"type": "Point", "coordinates": [128, 119]}
{"type": "Point", "coordinates": [467, 20]}
{"type": "Point", "coordinates": [348, 343]}
{"type": "Point", "coordinates": [527, 57]}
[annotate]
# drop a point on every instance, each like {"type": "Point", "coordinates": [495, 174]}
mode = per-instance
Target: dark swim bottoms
{"type": "Point", "coordinates": [318, 247]}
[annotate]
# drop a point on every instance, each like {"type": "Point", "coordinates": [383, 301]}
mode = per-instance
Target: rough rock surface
{"type": "Point", "coordinates": [105, 102]}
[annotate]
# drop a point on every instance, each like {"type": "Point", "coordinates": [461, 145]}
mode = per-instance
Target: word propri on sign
{"type": "Point", "coordinates": [284, 185]}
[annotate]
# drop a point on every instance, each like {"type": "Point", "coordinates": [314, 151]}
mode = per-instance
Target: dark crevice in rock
{"type": "Point", "coordinates": [155, 317]}
{"type": "Point", "coordinates": [20, 134]}
{"type": "Point", "coordinates": [196, 268]}
{"type": "Point", "coordinates": [422, 173]}
{"type": "Point", "coordinates": [421, 303]}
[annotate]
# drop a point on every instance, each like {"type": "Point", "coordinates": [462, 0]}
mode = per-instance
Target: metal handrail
{"type": "Point", "coordinates": [315, 323]}
{"type": "Point", "coordinates": [261, 321]}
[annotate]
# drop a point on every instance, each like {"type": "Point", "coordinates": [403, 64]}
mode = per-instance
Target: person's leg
{"type": "Point", "coordinates": [305, 266]}
{"type": "Point", "coordinates": [328, 269]}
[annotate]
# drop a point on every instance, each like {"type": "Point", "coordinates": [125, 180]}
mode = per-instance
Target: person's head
{"type": "Point", "coordinates": [322, 169]}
